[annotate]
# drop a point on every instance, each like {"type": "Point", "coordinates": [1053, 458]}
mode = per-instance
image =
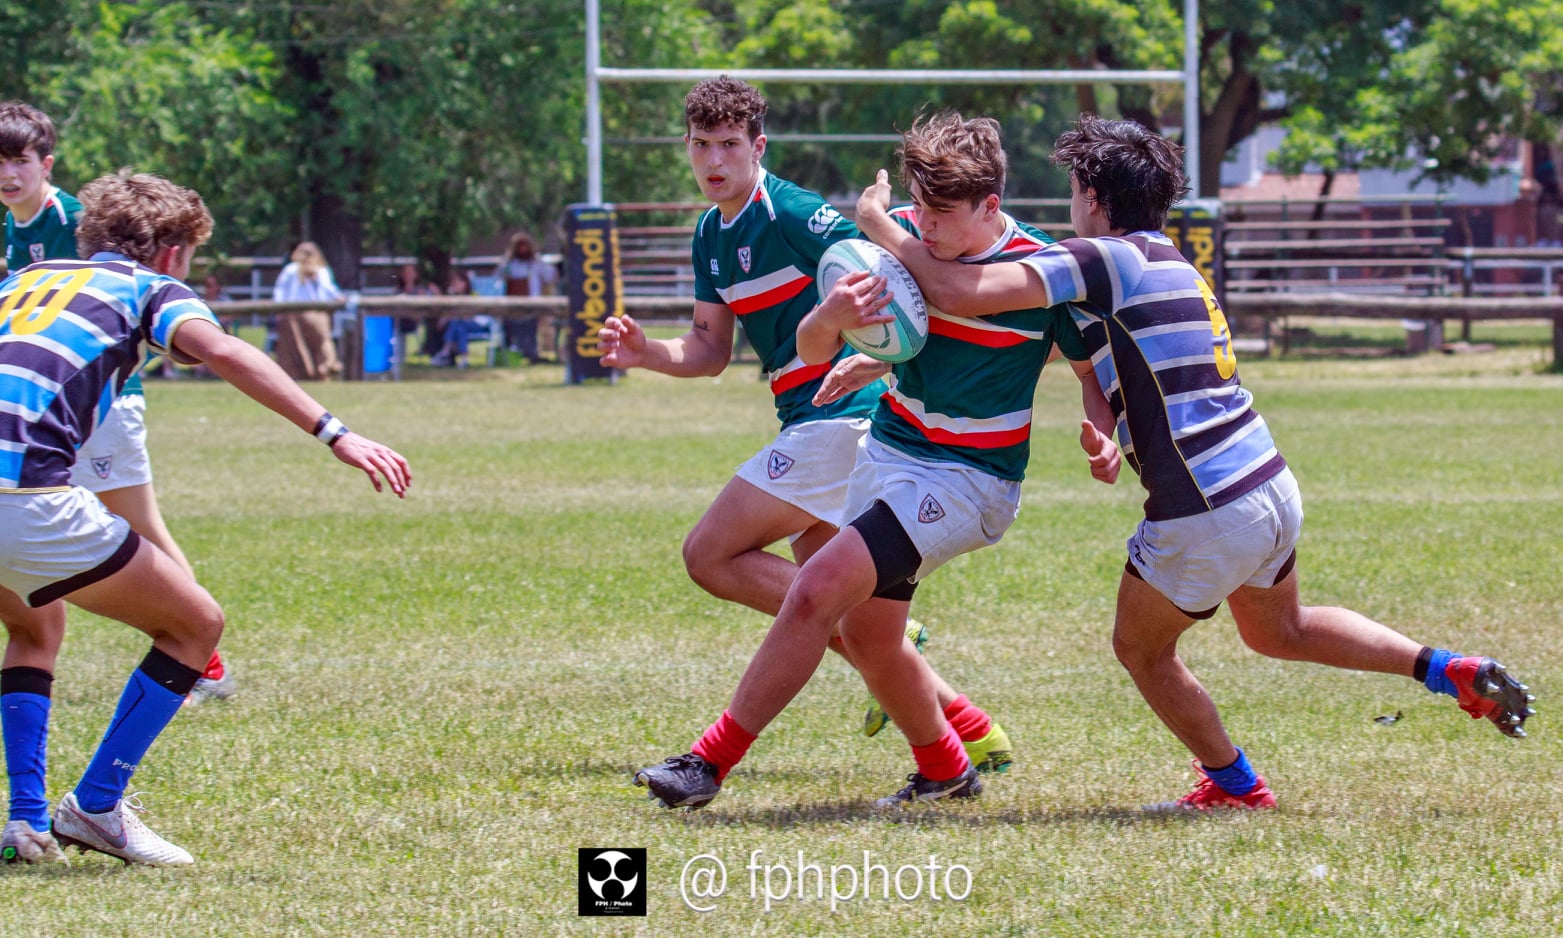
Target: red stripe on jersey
{"type": "Point", "coordinates": [1023, 243]}
{"type": "Point", "coordinates": [771, 297]}
{"type": "Point", "coordinates": [961, 332]}
{"type": "Point", "coordinates": [798, 377]}
{"type": "Point", "coordinates": [992, 439]}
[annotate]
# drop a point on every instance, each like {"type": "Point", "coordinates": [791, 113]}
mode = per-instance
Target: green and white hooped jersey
{"type": "Point", "coordinates": [762, 266]}
{"type": "Point", "coordinates": [967, 396]}
{"type": "Point", "coordinates": [49, 235]}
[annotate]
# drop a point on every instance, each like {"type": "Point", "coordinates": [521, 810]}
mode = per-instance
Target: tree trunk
{"type": "Point", "coordinates": [339, 232]}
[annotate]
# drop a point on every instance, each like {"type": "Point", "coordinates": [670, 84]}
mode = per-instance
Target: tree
{"type": "Point", "coordinates": [1481, 73]}
{"type": "Point", "coordinates": [198, 97]}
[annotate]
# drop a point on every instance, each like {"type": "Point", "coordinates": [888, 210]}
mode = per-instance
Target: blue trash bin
{"type": "Point", "coordinates": [379, 341]}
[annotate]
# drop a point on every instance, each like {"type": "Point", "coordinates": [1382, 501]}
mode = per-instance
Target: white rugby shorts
{"type": "Point", "coordinates": [946, 508]}
{"type": "Point", "coordinates": [807, 466]}
{"type": "Point", "coordinates": [1198, 561]}
{"type": "Point", "coordinates": [54, 543]}
{"type": "Point", "coordinates": [115, 456]}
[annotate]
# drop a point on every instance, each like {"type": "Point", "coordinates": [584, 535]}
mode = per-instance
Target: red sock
{"type": "Point", "coordinates": [214, 668]}
{"type": "Point", "coordinates": [942, 759]}
{"type": "Point", "coordinates": [723, 744]}
{"type": "Point", "coordinates": [970, 721]}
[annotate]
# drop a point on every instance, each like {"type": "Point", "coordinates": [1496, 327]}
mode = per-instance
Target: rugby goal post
{"type": "Point", "coordinates": [596, 74]}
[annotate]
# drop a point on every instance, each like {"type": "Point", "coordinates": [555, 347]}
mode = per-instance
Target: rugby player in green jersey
{"type": "Point", "coordinates": [755, 254]}
{"type": "Point", "coordinates": [938, 476]}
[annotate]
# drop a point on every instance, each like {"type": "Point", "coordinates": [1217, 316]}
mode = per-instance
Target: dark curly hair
{"type": "Point", "coordinates": [953, 160]}
{"type": "Point", "coordinates": [23, 126]}
{"type": "Point", "coordinates": [139, 214]}
{"type": "Point", "coordinates": [718, 101]}
{"type": "Point", "coordinates": [1137, 173]}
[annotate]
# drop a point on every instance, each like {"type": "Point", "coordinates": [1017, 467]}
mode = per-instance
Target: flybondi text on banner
{"type": "Point", "coordinates": [596, 290]}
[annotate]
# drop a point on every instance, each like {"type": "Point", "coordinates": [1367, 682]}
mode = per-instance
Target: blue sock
{"type": "Point", "coordinates": [153, 696]}
{"type": "Point", "coordinates": [24, 722]}
{"type": "Point", "coordinates": [1436, 680]}
{"type": "Point", "coordinates": [1237, 778]}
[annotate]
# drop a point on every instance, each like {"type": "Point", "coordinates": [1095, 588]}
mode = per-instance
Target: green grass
{"type": "Point", "coordinates": [442, 699]}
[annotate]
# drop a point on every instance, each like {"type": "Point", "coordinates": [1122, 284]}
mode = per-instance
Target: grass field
{"type": "Point", "coordinates": [442, 699]}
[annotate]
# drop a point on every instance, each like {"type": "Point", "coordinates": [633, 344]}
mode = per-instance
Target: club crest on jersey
{"type": "Point", "coordinates": [36, 250]}
{"type": "Point", "coordinates": [930, 510]}
{"type": "Point", "coordinates": [744, 258]}
{"type": "Point", "coordinates": [103, 466]}
{"type": "Point", "coordinates": [825, 220]}
{"type": "Point", "coordinates": [778, 463]}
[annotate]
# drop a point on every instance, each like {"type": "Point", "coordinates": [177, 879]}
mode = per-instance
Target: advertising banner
{"type": "Point", "coordinates": [596, 290]}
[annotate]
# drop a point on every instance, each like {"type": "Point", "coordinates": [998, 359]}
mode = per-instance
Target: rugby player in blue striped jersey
{"type": "Point", "coordinates": [72, 332]}
{"type": "Point", "coordinates": [1222, 510]}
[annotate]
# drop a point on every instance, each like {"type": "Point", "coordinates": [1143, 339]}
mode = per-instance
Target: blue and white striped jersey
{"type": "Point", "coordinates": [71, 335]}
{"type": "Point", "coordinates": [1162, 351]}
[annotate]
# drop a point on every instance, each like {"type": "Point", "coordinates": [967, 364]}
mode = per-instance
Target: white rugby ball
{"type": "Point", "coordinates": [902, 337]}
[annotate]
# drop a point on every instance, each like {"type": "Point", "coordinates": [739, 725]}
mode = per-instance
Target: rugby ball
{"type": "Point", "coordinates": [902, 337]}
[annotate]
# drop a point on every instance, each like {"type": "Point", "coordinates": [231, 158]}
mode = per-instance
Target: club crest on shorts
{"type": "Point", "coordinates": [103, 466]}
{"type": "Point", "coordinates": [930, 510]}
{"type": "Point", "coordinates": [716, 271]}
{"type": "Point", "coordinates": [777, 464]}
{"type": "Point", "coordinates": [745, 258]}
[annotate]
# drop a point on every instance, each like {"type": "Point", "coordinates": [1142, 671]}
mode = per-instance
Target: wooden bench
{"type": "Point", "coordinates": [1279, 306]}
{"type": "Point", "coordinates": [1386, 255]}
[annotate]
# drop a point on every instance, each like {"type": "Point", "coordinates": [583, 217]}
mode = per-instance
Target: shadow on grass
{"type": "Point", "coordinates": [958, 815]}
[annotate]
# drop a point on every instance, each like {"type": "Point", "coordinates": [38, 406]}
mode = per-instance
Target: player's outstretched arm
{"type": "Point", "coordinates": [249, 369]}
{"type": "Point", "coordinates": [703, 351]}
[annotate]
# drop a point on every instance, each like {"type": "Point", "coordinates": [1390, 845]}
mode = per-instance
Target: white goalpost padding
{"type": "Point", "coordinates": [596, 74]}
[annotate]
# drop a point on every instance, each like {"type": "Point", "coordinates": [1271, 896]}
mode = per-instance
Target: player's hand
{"type": "Point", "coordinates": [857, 299]}
{"type": "Point", "coordinates": [1102, 452]}
{"type": "Point", "coordinates": [376, 460]}
{"type": "Point", "coordinates": [876, 198]}
{"type": "Point", "coordinates": [623, 342]}
{"type": "Point", "coordinates": [852, 373]}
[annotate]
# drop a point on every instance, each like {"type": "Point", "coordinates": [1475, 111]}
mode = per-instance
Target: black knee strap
{"type": "Point", "coordinates": [896, 558]}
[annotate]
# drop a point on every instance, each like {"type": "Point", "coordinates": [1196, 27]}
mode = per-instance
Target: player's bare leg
{"type": "Point", "coordinates": [835, 580]}
{"type": "Point", "coordinates": [153, 594]}
{"type": "Point", "coordinates": [1145, 639]}
{"type": "Point", "coordinates": [726, 554]}
{"type": "Point", "coordinates": [137, 504]}
{"type": "Point", "coordinates": [1273, 623]}
{"type": "Point", "coordinates": [34, 635]}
